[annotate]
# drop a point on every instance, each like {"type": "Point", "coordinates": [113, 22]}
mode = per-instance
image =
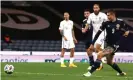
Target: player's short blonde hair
{"type": "Point", "coordinates": [66, 13]}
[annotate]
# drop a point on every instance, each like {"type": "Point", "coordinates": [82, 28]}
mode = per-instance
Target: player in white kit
{"type": "Point", "coordinates": [68, 39]}
{"type": "Point", "coordinates": [95, 19]}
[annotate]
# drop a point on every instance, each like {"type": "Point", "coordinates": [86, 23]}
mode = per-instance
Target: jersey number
{"type": "Point", "coordinates": [113, 31]}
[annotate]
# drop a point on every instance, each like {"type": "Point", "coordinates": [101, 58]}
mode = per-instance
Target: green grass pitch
{"type": "Point", "coordinates": [53, 71]}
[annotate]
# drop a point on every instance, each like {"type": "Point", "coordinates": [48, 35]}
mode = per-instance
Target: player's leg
{"type": "Point", "coordinates": [99, 46]}
{"type": "Point", "coordinates": [72, 58]}
{"type": "Point", "coordinates": [96, 64]}
{"type": "Point", "coordinates": [72, 50]}
{"type": "Point", "coordinates": [62, 57]}
{"type": "Point", "coordinates": [90, 55]}
{"type": "Point", "coordinates": [98, 49]}
{"type": "Point", "coordinates": [110, 62]}
{"type": "Point", "coordinates": [98, 61]}
{"type": "Point", "coordinates": [91, 58]}
{"type": "Point", "coordinates": [64, 46]}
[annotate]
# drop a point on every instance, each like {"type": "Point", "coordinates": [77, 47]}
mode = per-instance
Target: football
{"type": "Point", "coordinates": [8, 69]}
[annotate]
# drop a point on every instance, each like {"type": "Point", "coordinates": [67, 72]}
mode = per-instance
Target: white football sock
{"type": "Point", "coordinates": [101, 64]}
{"type": "Point", "coordinates": [71, 60]}
{"type": "Point", "coordinates": [62, 60]}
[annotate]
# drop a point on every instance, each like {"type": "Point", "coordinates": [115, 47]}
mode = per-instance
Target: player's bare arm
{"type": "Point", "coordinates": [127, 33]}
{"type": "Point", "coordinates": [62, 34]}
{"type": "Point", "coordinates": [73, 35]}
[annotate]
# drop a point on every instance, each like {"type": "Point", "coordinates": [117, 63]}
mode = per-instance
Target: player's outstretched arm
{"type": "Point", "coordinates": [125, 29]}
{"type": "Point", "coordinates": [96, 36]}
{"type": "Point", "coordinates": [99, 32]}
{"type": "Point", "coordinates": [87, 26]}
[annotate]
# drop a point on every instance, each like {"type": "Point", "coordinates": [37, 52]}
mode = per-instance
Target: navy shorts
{"type": "Point", "coordinates": [111, 49]}
{"type": "Point", "coordinates": [87, 43]}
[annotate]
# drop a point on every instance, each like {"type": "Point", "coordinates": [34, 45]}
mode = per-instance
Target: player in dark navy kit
{"type": "Point", "coordinates": [116, 29]}
{"type": "Point", "coordinates": [87, 36]}
{"type": "Point", "coordinates": [87, 33]}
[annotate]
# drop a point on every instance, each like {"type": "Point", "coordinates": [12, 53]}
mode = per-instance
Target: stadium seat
{"type": "Point", "coordinates": [40, 49]}
{"type": "Point", "coordinates": [51, 45]}
{"type": "Point", "coordinates": [34, 49]}
{"type": "Point", "coordinates": [45, 48]}
{"type": "Point", "coordinates": [21, 48]}
{"type": "Point", "coordinates": [46, 42]}
{"type": "Point", "coordinates": [41, 42]}
{"type": "Point", "coordinates": [39, 45]}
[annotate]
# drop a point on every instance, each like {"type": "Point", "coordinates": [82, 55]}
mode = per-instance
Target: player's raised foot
{"type": "Point", "coordinates": [121, 74]}
{"type": "Point", "coordinates": [89, 68]}
{"type": "Point", "coordinates": [88, 74]}
{"type": "Point", "coordinates": [63, 65]}
{"type": "Point", "coordinates": [72, 65]}
{"type": "Point", "coordinates": [98, 69]}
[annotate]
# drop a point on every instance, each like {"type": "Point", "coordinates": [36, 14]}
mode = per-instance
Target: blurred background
{"type": "Point", "coordinates": [33, 25]}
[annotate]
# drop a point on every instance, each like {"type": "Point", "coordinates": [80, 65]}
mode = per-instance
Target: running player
{"type": "Point", "coordinates": [95, 19]}
{"type": "Point", "coordinates": [87, 36]}
{"type": "Point", "coordinates": [116, 29]}
{"type": "Point", "coordinates": [68, 39]}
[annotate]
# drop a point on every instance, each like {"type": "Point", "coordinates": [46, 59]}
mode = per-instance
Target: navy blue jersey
{"type": "Point", "coordinates": [115, 31]}
{"type": "Point", "coordinates": [88, 34]}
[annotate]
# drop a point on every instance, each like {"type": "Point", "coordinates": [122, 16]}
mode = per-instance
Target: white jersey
{"type": "Point", "coordinates": [96, 21]}
{"type": "Point", "coordinates": [67, 27]}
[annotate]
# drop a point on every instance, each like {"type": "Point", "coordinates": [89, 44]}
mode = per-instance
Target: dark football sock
{"type": "Point", "coordinates": [91, 60]}
{"type": "Point", "coordinates": [95, 66]}
{"type": "Point", "coordinates": [116, 67]}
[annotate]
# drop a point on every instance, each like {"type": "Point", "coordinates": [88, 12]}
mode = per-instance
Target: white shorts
{"type": "Point", "coordinates": [68, 44]}
{"type": "Point", "coordinates": [100, 40]}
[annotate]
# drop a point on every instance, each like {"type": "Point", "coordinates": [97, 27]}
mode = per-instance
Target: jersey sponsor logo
{"type": "Point", "coordinates": [100, 18]}
{"type": "Point", "coordinates": [20, 19]}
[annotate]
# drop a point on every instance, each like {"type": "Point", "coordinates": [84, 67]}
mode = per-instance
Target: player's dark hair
{"type": "Point", "coordinates": [96, 5]}
{"type": "Point", "coordinates": [111, 11]}
{"type": "Point", "coordinates": [86, 10]}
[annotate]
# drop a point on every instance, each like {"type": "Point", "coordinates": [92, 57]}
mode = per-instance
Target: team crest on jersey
{"type": "Point", "coordinates": [108, 25]}
{"type": "Point", "coordinates": [117, 26]}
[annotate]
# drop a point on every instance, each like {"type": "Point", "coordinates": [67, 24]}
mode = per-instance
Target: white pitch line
{"type": "Point", "coordinates": [53, 74]}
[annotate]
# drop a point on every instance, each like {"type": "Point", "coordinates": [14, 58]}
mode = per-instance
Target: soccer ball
{"type": "Point", "coordinates": [8, 69]}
